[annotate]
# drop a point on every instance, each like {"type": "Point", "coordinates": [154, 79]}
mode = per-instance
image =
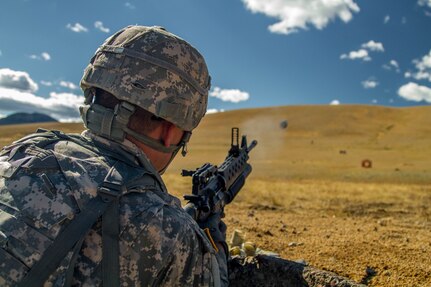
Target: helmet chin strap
{"type": "Point", "coordinates": [157, 145]}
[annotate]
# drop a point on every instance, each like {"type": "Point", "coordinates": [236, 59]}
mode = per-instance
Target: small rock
{"type": "Point", "coordinates": [370, 271]}
{"type": "Point", "coordinates": [301, 261]}
{"type": "Point", "coordinates": [334, 282]}
{"type": "Point", "coordinates": [293, 244]}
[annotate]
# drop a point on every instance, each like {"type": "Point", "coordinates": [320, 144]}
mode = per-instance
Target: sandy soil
{"type": "Point", "coordinates": [375, 243]}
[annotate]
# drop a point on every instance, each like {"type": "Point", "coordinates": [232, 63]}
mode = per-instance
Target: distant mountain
{"type": "Point", "coordinates": [26, 118]}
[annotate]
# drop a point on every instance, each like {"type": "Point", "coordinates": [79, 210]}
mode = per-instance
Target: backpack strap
{"type": "Point", "coordinates": [106, 204]}
{"type": "Point", "coordinates": [111, 192]}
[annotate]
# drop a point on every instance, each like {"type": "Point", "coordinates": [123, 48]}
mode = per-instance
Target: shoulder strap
{"type": "Point", "coordinates": [106, 204]}
{"type": "Point", "coordinates": [111, 191]}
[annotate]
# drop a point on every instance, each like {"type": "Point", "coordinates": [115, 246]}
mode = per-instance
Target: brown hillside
{"type": "Point", "coordinates": [324, 142]}
{"type": "Point", "coordinates": [308, 196]}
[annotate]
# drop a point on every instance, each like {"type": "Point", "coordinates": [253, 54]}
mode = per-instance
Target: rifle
{"type": "Point", "coordinates": [215, 187]}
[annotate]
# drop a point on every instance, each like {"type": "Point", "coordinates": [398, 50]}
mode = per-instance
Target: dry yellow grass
{"type": "Point", "coordinates": [302, 189]}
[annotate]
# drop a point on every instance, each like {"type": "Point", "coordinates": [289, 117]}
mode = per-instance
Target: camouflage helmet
{"type": "Point", "coordinates": [155, 70]}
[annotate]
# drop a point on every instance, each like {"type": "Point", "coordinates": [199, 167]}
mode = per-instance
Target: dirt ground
{"type": "Point", "coordinates": [308, 196]}
{"type": "Point", "coordinates": [379, 235]}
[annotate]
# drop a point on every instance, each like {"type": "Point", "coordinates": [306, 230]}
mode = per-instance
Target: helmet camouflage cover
{"type": "Point", "coordinates": [155, 70]}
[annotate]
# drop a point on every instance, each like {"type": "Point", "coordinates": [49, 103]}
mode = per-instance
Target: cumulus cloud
{"type": "Point", "coordinates": [46, 83]}
{"type": "Point", "coordinates": [99, 25]}
{"type": "Point", "coordinates": [392, 65]}
{"type": "Point", "coordinates": [334, 103]}
{"type": "Point", "coordinates": [373, 46]}
{"type": "Point", "coordinates": [415, 92]}
{"type": "Point", "coordinates": [43, 56]}
{"type": "Point", "coordinates": [62, 106]}
{"type": "Point", "coordinates": [129, 5]}
{"type": "Point", "coordinates": [294, 15]}
{"type": "Point", "coordinates": [77, 28]}
{"type": "Point", "coordinates": [386, 19]}
{"type": "Point", "coordinates": [213, 111]}
{"type": "Point", "coordinates": [361, 54]}
{"type": "Point", "coordinates": [17, 80]}
{"type": "Point", "coordinates": [229, 95]}
{"type": "Point", "coordinates": [68, 85]}
{"type": "Point", "coordinates": [425, 3]}
{"type": "Point", "coordinates": [423, 67]}
{"type": "Point", "coordinates": [369, 84]}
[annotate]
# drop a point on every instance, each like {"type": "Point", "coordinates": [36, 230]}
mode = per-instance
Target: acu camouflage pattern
{"type": "Point", "coordinates": [47, 178]}
{"type": "Point", "coordinates": [155, 70]}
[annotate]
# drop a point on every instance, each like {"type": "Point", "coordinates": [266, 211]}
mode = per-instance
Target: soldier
{"type": "Point", "coordinates": [92, 209]}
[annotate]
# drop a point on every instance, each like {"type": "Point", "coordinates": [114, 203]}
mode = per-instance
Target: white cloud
{"type": "Point", "coordinates": [77, 28]}
{"type": "Point", "coordinates": [424, 3]}
{"type": "Point", "coordinates": [1, 54]}
{"type": "Point", "coordinates": [232, 95]}
{"type": "Point", "coordinates": [392, 65]}
{"type": "Point", "coordinates": [294, 15]}
{"type": "Point", "coordinates": [334, 103]}
{"type": "Point", "coordinates": [43, 56]}
{"type": "Point", "coordinates": [374, 101]}
{"type": "Point", "coordinates": [353, 55]}
{"type": "Point", "coordinates": [423, 67]}
{"type": "Point", "coordinates": [369, 84]}
{"type": "Point", "coordinates": [363, 52]}
{"type": "Point", "coordinates": [68, 85]}
{"type": "Point", "coordinates": [17, 80]}
{"type": "Point", "coordinates": [62, 106]}
{"type": "Point", "coordinates": [99, 25]}
{"type": "Point", "coordinates": [46, 83]}
{"type": "Point", "coordinates": [213, 111]}
{"type": "Point", "coordinates": [415, 92]}
{"type": "Point", "coordinates": [387, 18]}
{"type": "Point", "coordinates": [129, 5]}
{"type": "Point", "coordinates": [373, 46]}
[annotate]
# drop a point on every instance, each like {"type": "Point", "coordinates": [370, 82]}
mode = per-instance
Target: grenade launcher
{"type": "Point", "coordinates": [214, 187]}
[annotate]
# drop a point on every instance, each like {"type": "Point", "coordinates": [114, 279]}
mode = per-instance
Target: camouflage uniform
{"type": "Point", "coordinates": [49, 181]}
{"type": "Point", "coordinates": [46, 181]}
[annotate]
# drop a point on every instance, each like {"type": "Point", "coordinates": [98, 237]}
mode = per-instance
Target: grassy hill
{"type": "Point", "coordinates": [324, 142]}
{"type": "Point", "coordinates": [320, 142]}
{"type": "Point", "coordinates": [308, 196]}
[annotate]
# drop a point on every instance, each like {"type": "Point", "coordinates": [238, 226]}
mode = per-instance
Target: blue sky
{"type": "Point", "coordinates": [260, 52]}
